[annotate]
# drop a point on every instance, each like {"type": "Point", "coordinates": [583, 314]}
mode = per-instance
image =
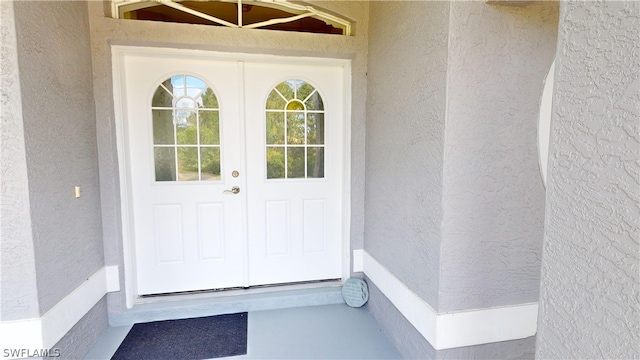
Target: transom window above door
{"type": "Point", "coordinates": [280, 15]}
{"type": "Point", "coordinates": [294, 131]}
{"type": "Point", "coordinates": [186, 130]}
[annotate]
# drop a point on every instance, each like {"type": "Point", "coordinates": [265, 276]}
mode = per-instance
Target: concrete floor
{"type": "Point", "coordinates": [313, 332]}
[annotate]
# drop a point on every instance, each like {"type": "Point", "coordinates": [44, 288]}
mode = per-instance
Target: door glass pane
{"type": "Point", "coordinates": [188, 164]}
{"type": "Point", "coordinates": [194, 86]}
{"type": "Point", "coordinates": [163, 97]}
{"type": "Point", "coordinates": [162, 127]}
{"type": "Point", "coordinates": [178, 85]}
{"type": "Point", "coordinates": [304, 90]}
{"type": "Point", "coordinates": [165, 163]}
{"type": "Point", "coordinates": [295, 128]}
{"type": "Point", "coordinates": [209, 127]}
{"type": "Point", "coordinates": [210, 163]}
{"type": "Point", "coordinates": [275, 101]}
{"type": "Point", "coordinates": [314, 102]}
{"type": "Point", "coordinates": [209, 99]}
{"type": "Point", "coordinates": [289, 121]}
{"type": "Point", "coordinates": [186, 103]}
{"type": "Point", "coordinates": [295, 105]}
{"type": "Point", "coordinates": [295, 162]}
{"type": "Point", "coordinates": [315, 162]}
{"type": "Point", "coordinates": [286, 88]}
{"type": "Point", "coordinates": [185, 112]}
{"type": "Point", "coordinates": [275, 127]}
{"type": "Point", "coordinates": [275, 163]}
{"type": "Point", "coordinates": [186, 127]}
{"type": "Point", "coordinates": [315, 128]}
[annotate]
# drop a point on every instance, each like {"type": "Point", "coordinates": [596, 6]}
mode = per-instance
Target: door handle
{"type": "Point", "coordinates": [234, 190]}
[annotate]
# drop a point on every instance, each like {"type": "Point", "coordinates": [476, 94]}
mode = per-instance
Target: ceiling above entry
{"type": "Point", "coordinates": [249, 14]}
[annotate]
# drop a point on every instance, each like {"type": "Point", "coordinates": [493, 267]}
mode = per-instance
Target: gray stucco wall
{"type": "Point", "coordinates": [412, 345]}
{"type": "Point", "coordinates": [590, 287]}
{"type": "Point", "coordinates": [409, 342]}
{"type": "Point", "coordinates": [493, 196]}
{"type": "Point", "coordinates": [81, 338]}
{"type": "Point", "coordinates": [521, 349]}
{"type": "Point", "coordinates": [405, 128]}
{"type": "Point", "coordinates": [18, 290]}
{"type": "Point", "coordinates": [454, 198]}
{"type": "Point", "coordinates": [60, 140]}
{"type": "Point", "coordinates": [106, 31]}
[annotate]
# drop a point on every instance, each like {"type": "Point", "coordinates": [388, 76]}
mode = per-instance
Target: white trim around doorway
{"type": "Point", "coordinates": [119, 51]}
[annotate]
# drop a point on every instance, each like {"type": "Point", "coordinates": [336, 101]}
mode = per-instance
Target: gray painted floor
{"type": "Point", "coordinates": [314, 332]}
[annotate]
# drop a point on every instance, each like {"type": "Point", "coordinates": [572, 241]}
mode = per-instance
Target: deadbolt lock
{"type": "Point", "coordinates": [235, 173]}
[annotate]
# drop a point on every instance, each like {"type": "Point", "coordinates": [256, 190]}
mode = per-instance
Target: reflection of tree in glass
{"type": "Point", "coordinates": [315, 128]}
{"type": "Point", "coordinates": [209, 99]}
{"type": "Point", "coordinates": [304, 122]}
{"type": "Point", "coordinates": [303, 90]}
{"type": "Point", "coordinates": [295, 128]}
{"type": "Point", "coordinates": [275, 163]}
{"type": "Point", "coordinates": [209, 133]}
{"type": "Point", "coordinates": [315, 162]}
{"type": "Point", "coordinates": [295, 162]}
{"type": "Point", "coordinates": [188, 161]}
{"type": "Point", "coordinates": [275, 128]}
{"type": "Point", "coordinates": [210, 158]}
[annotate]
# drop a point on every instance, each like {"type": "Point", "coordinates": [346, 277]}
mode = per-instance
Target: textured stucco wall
{"type": "Point", "coordinates": [84, 334]}
{"type": "Point", "coordinates": [106, 31]}
{"type": "Point", "coordinates": [405, 128]}
{"type": "Point", "coordinates": [493, 196]}
{"type": "Point", "coordinates": [454, 199]}
{"type": "Point", "coordinates": [412, 345]}
{"type": "Point", "coordinates": [60, 140]}
{"type": "Point", "coordinates": [18, 290]}
{"type": "Point", "coordinates": [521, 349]}
{"type": "Point", "coordinates": [590, 287]}
{"type": "Point", "coordinates": [409, 342]}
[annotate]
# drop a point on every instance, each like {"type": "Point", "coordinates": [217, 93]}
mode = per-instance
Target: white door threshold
{"type": "Point", "coordinates": [188, 305]}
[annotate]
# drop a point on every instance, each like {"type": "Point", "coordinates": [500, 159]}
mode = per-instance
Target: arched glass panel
{"type": "Point", "coordinates": [294, 131]}
{"type": "Point", "coordinates": [186, 130]}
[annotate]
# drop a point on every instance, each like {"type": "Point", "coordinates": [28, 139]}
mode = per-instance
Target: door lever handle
{"type": "Point", "coordinates": [234, 190]}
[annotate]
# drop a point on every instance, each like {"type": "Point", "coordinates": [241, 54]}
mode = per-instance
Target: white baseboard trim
{"type": "Point", "coordinates": [454, 329]}
{"type": "Point", "coordinates": [44, 332]}
{"type": "Point", "coordinates": [358, 256]}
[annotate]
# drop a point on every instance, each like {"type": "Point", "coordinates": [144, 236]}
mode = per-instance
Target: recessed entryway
{"type": "Point", "coordinates": [234, 168]}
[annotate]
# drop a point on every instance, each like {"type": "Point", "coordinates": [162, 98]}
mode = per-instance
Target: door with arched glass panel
{"type": "Point", "coordinates": [184, 143]}
{"type": "Point", "coordinates": [295, 193]}
{"type": "Point", "coordinates": [235, 171]}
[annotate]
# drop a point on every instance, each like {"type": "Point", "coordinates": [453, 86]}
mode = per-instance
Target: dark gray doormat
{"type": "Point", "coordinates": [186, 339]}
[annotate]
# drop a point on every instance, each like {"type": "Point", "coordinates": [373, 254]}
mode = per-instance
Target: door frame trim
{"type": "Point", "coordinates": [118, 52]}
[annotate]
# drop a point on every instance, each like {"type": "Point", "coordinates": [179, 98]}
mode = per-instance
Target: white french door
{"type": "Point", "coordinates": [234, 170]}
{"type": "Point", "coordinates": [295, 227]}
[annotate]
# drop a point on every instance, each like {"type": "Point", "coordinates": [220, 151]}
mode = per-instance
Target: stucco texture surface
{"type": "Point", "coordinates": [454, 198]}
{"type": "Point", "coordinates": [405, 337]}
{"type": "Point", "coordinates": [60, 141]}
{"type": "Point", "coordinates": [590, 291]}
{"type": "Point", "coordinates": [405, 128]}
{"type": "Point", "coordinates": [493, 196]}
{"type": "Point", "coordinates": [84, 334]}
{"type": "Point", "coordinates": [106, 31]}
{"type": "Point", "coordinates": [520, 349]}
{"type": "Point", "coordinates": [18, 290]}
